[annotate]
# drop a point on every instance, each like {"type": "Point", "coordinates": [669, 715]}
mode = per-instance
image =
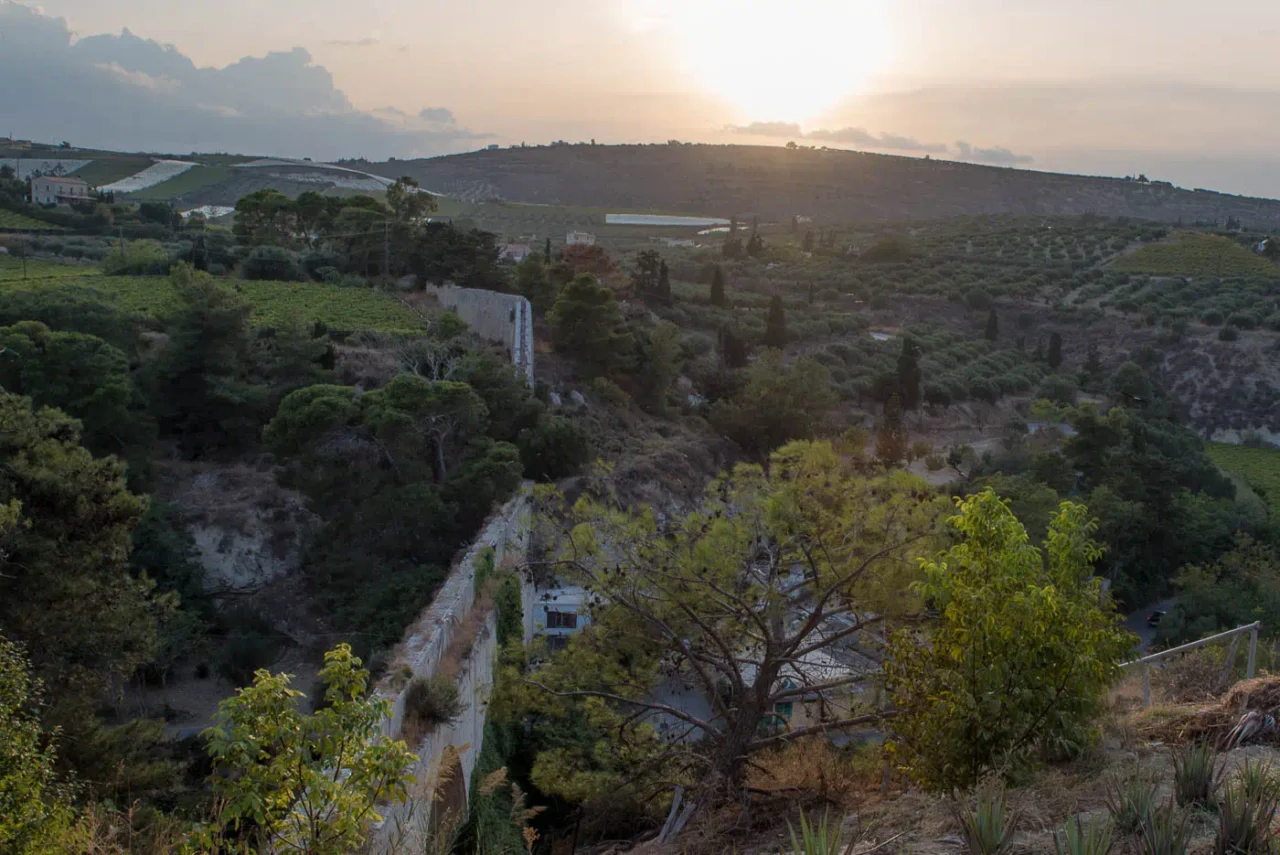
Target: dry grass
{"type": "Point", "coordinates": [813, 771]}
{"type": "Point", "coordinates": [1195, 722]}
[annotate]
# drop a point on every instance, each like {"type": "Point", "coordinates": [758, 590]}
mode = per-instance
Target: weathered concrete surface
{"type": "Point", "coordinates": [507, 534]}
{"type": "Point", "coordinates": [506, 319]}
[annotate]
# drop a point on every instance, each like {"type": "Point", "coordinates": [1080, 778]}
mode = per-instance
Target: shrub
{"type": "Point", "coordinates": [251, 643]}
{"type": "Point", "coordinates": [611, 393]}
{"type": "Point", "coordinates": [555, 448]}
{"type": "Point", "coordinates": [273, 263]}
{"type": "Point", "coordinates": [1096, 838]}
{"type": "Point", "coordinates": [1228, 333]}
{"type": "Point", "coordinates": [1246, 813]}
{"type": "Point", "coordinates": [1168, 833]}
{"type": "Point", "coordinates": [988, 827]}
{"type": "Point", "coordinates": [1195, 779]}
{"type": "Point", "coordinates": [430, 702]}
{"type": "Point", "coordinates": [137, 258]}
{"type": "Point", "coordinates": [1132, 802]}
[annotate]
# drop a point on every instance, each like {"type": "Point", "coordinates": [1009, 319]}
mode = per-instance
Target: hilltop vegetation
{"type": "Point", "coordinates": [834, 186]}
{"type": "Point", "coordinates": [1192, 254]}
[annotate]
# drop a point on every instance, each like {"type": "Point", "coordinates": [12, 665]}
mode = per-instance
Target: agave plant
{"type": "Point", "coordinates": [1095, 838]}
{"type": "Point", "coordinates": [1246, 812]}
{"type": "Point", "coordinates": [1195, 778]}
{"type": "Point", "coordinates": [816, 837]}
{"type": "Point", "coordinates": [1167, 833]}
{"type": "Point", "coordinates": [988, 827]}
{"type": "Point", "coordinates": [1132, 802]}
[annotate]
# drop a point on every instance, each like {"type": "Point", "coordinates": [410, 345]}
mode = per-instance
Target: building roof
{"type": "Point", "coordinates": [62, 179]}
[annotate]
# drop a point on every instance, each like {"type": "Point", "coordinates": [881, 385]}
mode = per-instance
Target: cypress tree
{"type": "Point", "coordinates": [775, 330]}
{"type": "Point", "coordinates": [664, 283]}
{"type": "Point", "coordinates": [717, 288]}
{"type": "Point", "coordinates": [909, 375]}
{"type": "Point", "coordinates": [993, 327]}
{"type": "Point", "coordinates": [546, 253]}
{"type": "Point", "coordinates": [1055, 351]}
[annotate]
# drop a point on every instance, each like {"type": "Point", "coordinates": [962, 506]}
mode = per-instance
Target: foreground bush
{"type": "Point", "coordinates": [1047, 638]}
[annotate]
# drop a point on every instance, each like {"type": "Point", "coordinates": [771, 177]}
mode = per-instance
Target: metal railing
{"type": "Point", "coordinates": [1233, 634]}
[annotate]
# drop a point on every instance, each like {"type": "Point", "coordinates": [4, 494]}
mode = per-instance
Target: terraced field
{"type": "Point", "coordinates": [273, 302]}
{"type": "Point", "coordinates": [1257, 467]}
{"type": "Point", "coordinates": [1193, 254]}
{"type": "Point", "coordinates": [197, 178]}
{"type": "Point", "coordinates": [13, 221]}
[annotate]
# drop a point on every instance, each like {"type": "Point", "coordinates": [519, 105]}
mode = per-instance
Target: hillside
{"type": "Point", "coordinates": [832, 185]}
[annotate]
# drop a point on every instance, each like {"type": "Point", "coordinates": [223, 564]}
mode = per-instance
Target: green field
{"type": "Point", "coordinates": [13, 221]}
{"type": "Point", "coordinates": [111, 170]}
{"type": "Point", "coordinates": [1257, 467]}
{"type": "Point", "coordinates": [190, 181]}
{"type": "Point", "coordinates": [273, 302]}
{"type": "Point", "coordinates": [1193, 254]}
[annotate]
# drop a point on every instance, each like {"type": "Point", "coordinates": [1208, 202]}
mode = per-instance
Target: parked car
{"type": "Point", "coordinates": [1153, 619]}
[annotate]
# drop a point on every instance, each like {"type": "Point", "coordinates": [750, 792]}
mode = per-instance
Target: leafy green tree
{"type": "Point", "coordinates": [532, 283]}
{"type": "Point", "coordinates": [779, 403]}
{"type": "Point", "coordinates": [587, 326]}
{"type": "Point", "coordinates": [1054, 357]}
{"type": "Point", "coordinates": [1023, 651]}
{"type": "Point", "coordinates": [79, 374]}
{"type": "Point", "coordinates": [1240, 587]}
{"type": "Point", "coordinates": [35, 810]}
{"type": "Point", "coordinates": [661, 365]}
{"type": "Point", "coordinates": [290, 356]}
{"type": "Point", "coordinates": [718, 297]}
{"type": "Point", "coordinates": [775, 328]}
{"type": "Point", "coordinates": [65, 586]}
{"type": "Point", "coordinates": [289, 781]}
{"type": "Point", "coordinates": [410, 205]}
{"type": "Point", "coordinates": [697, 595]}
{"type": "Point", "coordinates": [204, 395]}
{"type": "Point", "coordinates": [265, 218]}
{"type": "Point", "coordinates": [555, 448]}
{"type": "Point", "coordinates": [992, 332]}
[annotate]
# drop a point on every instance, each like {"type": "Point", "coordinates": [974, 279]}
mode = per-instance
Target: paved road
{"type": "Point", "coordinates": [1137, 622]}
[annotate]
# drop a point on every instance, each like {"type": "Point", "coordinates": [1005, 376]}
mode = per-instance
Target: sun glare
{"type": "Point", "coordinates": [782, 60]}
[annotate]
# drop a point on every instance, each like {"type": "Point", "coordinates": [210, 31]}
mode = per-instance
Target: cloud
{"type": "Point", "coordinates": [769, 129]}
{"type": "Point", "coordinates": [439, 115]}
{"type": "Point", "coordinates": [125, 92]}
{"type": "Point", "coordinates": [994, 156]}
{"type": "Point", "coordinates": [860, 136]}
{"type": "Point", "coordinates": [354, 43]}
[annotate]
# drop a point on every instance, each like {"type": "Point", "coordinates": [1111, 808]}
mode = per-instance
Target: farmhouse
{"type": "Point", "coordinates": [515, 252]}
{"type": "Point", "coordinates": [55, 190]}
{"type": "Point", "coordinates": [580, 239]}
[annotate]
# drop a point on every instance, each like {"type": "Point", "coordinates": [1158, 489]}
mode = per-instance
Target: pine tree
{"type": "Point", "coordinates": [775, 330]}
{"type": "Point", "coordinates": [1055, 351]}
{"type": "Point", "coordinates": [993, 327]}
{"type": "Point", "coordinates": [909, 375]}
{"type": "Point", "coordinates": [717, 288]}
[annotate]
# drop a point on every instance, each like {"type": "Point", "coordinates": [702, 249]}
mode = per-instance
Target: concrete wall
{"type": "Point", "coordinates": [505, 319]}
{"type": "Point", "coordinates": [507, 533]}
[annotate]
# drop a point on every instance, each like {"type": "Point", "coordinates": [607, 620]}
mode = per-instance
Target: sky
{"type": "Point", "coordinates": [1176, 90]}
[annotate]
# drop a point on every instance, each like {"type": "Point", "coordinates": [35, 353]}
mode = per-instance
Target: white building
{"type": "Point", "coordinates": [580, 239]}
{"type": "Point", "coordinates": [515, 252]}
{"type": "Point", "coordinates": [558, 613]}
{"type": "Point", "coordinates": [56, 190]}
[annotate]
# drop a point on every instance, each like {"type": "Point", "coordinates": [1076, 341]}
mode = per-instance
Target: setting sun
{"type": "Point", "coordinates": [786, 62]}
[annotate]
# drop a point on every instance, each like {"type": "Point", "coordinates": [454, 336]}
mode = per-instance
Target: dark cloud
{"type": "Point", "coordinates": [994, 156]}
{"type": "Point", "coordinates": [440, 115]}
{"type": "Point", "coordinates": [125, 92]}
{"type": "Point", "coordinates": [769, 129]}
{"type": "Point", "coordinates": [859, 136]}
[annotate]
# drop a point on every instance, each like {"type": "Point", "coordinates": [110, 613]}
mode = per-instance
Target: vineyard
{"type": "Point", "coordinates": [1193, 254]}
{"type": "Point", "coordinates": [273, 302]}
{"type": "Point", "coordinates": [13, 221]}
{"type": "Point", "coordinates": [1257, 467]}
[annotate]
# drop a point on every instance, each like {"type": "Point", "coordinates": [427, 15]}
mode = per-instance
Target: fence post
{"type": "Point", "coordinates": [1253, 651]}
{"type": "Point", "coordinates": [1146, 684]}
{"type": "Point", "coordinates": [1230, 662]}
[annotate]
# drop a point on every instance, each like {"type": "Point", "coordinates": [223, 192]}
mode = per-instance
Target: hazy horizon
{"type": "Point", "coordinates": [1101, 88]}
